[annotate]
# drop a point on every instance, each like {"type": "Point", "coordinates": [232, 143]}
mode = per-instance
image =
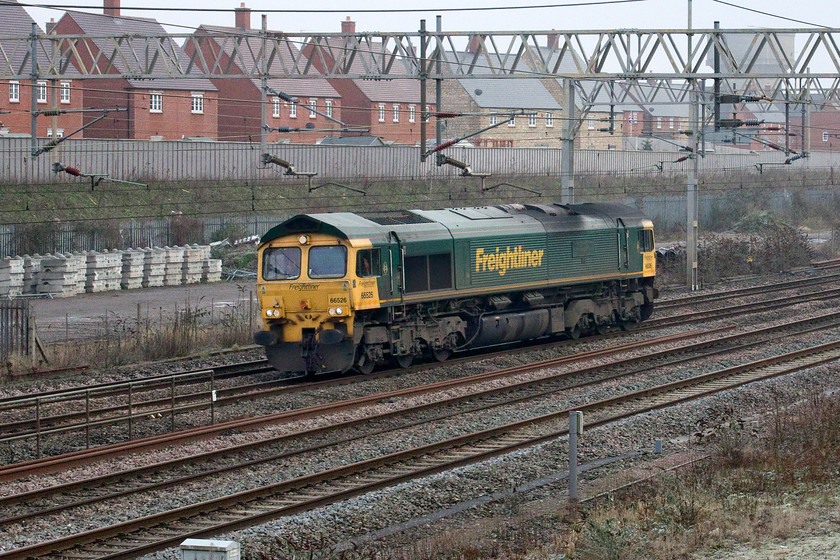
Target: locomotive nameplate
{"type": "Point", "coordinates": [501, 260]}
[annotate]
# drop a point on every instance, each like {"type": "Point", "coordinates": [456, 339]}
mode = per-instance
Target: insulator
{"type": "Point", "coordinates": [72, 171]}
{"type": "Point", "coordinates": [447, 115]}
{"type": "Point", "coordinates": [285, 97]}
{"type": "Point", "coordinates": [284, 129]}
{"type": "Point", "coordinates": [52, 112]}
{"type": "Point", "coordinates": [445, 145]}
{"type": "Point", "coordinates": [681, 159]}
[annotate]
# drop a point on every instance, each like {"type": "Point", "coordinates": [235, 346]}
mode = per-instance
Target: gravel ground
{"type": "Point", "coordinates": [323, 528]}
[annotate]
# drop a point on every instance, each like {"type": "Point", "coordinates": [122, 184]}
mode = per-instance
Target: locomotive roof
{"type": "Point", "coordinates": [406, 223]}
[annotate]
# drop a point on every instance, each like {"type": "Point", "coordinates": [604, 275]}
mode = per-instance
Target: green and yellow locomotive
{"type": "Point", "coordinates": [344, 290]}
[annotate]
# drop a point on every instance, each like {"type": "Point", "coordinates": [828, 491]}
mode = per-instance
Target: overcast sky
{"type": "Point", "coordinates": [645, 14]}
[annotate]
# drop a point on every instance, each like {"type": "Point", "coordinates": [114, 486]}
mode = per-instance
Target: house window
{"type": "Point", "coordinates": [293, 110]}
{"type": "Point", "coordinates": [41, 92]}
{"type": "Point", "coordinates": [14, 92]}
{"type": "Point", "coordinates": [825, 136]}
{"type": "Point", "coordinates": [549, 120]}
{"type": "Point", "coordinates": [197, 106]}
{"type": "Point", "coordinates": [671, 122]}
{"type": "Point", "coordinates": [411, 113]}
{"type": "Point", "coordinates": [396, 113]}
{"type": "Point", "coordinates": [156, 103]}
{"type": "Point", "coordinates": [328, 104]}
{"type": "Point", "coordinates": [58, 133]}
{"type": "Point", "coordinates": [65, 92]}
{"type": "Point", "coordinates": [275, 107]}
{"type": "Point", "coordinates": [590, 122]}
{"type": "Point", "coordinates": [512, 121]}
{"type": "Point", "coordinates": [313, 104]}
{"type": "Point", "coordinates": [381, 112]}
{"type": "Point", "coordinates": [532, 120]}
{"type": "Point", "coordinates": [658, 122]}
{"type": "Point", "coordinates": [494, 120]}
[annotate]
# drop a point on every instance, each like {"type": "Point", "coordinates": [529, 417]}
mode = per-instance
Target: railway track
{"type": "Point", "coordinates": [165, 529]}
{"type": "Point", "coordinates": [163, 400]}
{"type": "Point", "coordinates": [151, 478]}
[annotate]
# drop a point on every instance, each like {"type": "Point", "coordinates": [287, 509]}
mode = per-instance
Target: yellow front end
{"type": "Point", "coordinates": [648, 250]}
{"type": "Point", "coordinates": [305, 295]}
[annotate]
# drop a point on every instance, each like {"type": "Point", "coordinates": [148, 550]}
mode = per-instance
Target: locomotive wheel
{"type": "Point", "coordinates": [629, 324]}
{"type": "Point", "coordinates": [574, 332]}
{"type": "Point", "coordinates": [441, 354]}
{"type": "Point", "coordinates": [404, 361]}
{"type": "Point", "coordinates": [601, 328]}
{"type": "Point", "coordinates": [365, 365]}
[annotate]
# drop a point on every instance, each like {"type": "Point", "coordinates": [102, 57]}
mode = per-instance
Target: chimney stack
{"type": "Point", "coordinates": [553, 40]}
{"type": "Point", "coordinates": [112, 8]}
{"type": "Point", "coordinates": [50, 25]}
{"type": "Point", "coordinates": [243, 16]}
{"type": "Point", "coordinates": [348, 26]}
{"type": "Point", "coordinates": [474, 44]}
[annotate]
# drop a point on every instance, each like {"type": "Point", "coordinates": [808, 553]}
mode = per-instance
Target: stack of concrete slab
{"type": "Point", "coordinates": [154, 267]}
{"type": "Point", "coordinates": [193, 264]}
{"type": "Point", "coordinates": [104, 271]}
{"type": "Point", "coordinates": [132, 269]}
{"type": "Point", "coordinates": [58, 276]}
{"type": "Point", "coordinates": [11, 276]}
{"type": "Point", "coordinates": [174, 266]}
{"type": "Point", "coordinates": [77, 262]}
{"type": "Point", "coordinates": [212, 271]}
{"type": "Point", "coordinates": [31, 269]}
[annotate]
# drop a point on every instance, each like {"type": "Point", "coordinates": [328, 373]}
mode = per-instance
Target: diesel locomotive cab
{"type": "Point", "coordinates": [304, 289]}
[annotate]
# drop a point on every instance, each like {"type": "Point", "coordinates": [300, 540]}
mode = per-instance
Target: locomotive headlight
{"type": "Point", "coordinates": [304, 239]}
{"type": "Point", "coordinates": [339, 311]}
{"type": "Point", "coordinates": [332, 311]}
{"type": "Point", "coordinates": [268, 312]}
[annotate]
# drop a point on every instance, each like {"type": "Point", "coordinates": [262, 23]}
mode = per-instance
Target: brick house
{"type": "Point", "coordinates": [159, 109]}
{"type": "Point", "coordinates": [489, 101]}
{"type": "Point", "coordinates": [389, 109]}
{"type": "Point", "coordinates": [239, 115]}
{"type": "Point", "coordinates": [16, 95]}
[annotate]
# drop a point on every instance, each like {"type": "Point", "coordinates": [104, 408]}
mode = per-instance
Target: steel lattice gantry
{"type": "Point", "coordinates": [629, 54]}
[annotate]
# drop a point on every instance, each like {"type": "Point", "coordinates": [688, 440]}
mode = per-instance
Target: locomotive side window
{"type": "Point", "coordinates": [428, 272]}
{"type": "Point", "coordinates": [368, 263]}
{"type": "Point", "coordinates": [281, 263]}
{"type": "Point", "coordinates": [646, 241]}
{"type": "Point", "coordinates": [440, 271]}
{"type": "Point", "coordinates": [328, 262]}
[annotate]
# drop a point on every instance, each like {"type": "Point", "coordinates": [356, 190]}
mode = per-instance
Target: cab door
{"type": "Point", "coordinates": [396, 266]}
{"type": "Point", "coordinates": [623, 237]}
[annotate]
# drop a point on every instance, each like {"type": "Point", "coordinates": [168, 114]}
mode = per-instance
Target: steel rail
{"type": "Point", "coordinates": [755, 290]}
{"type": "Point", "coordinates": [156, 532]}
{"type": "Point", "coordinates": [811, 324]}
{"type": "Point", "coordinates": [50, 464]}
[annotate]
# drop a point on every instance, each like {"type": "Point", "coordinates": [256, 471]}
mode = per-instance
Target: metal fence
{"type": "Point", "coordinates": [14, 328]}
{"type": "Point", "coordinates": [71, 237]}
{"type": "Point", "coordinates": [140, 160]}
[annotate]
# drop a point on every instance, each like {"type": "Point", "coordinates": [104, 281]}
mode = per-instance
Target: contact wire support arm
{"type": "Point", "coordinates": [95, 178]}
{"type": "Point", "coordinates": [289, 99]}
{"type": "Point", "coordinates": [52, 144]}
{"type": "Point", "coordinates": [454, 141]}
